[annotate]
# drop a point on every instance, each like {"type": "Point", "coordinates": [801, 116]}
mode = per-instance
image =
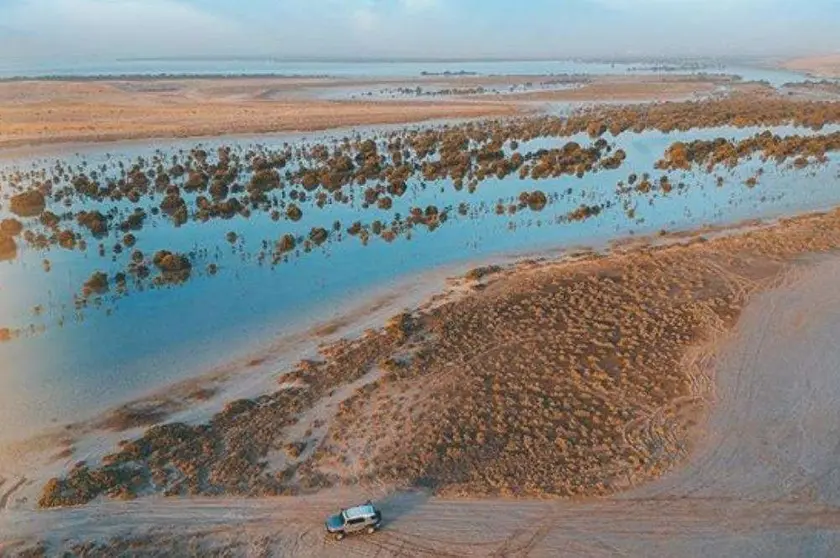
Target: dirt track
{"type": "Point", "coordinates": [764, 482]}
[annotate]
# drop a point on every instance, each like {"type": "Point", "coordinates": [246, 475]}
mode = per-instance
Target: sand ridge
{"type": "Point", "coordinates": [755, 486]}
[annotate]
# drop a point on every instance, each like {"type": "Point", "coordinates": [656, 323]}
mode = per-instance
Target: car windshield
{"type": "Point", "coordinates": [358, 512]}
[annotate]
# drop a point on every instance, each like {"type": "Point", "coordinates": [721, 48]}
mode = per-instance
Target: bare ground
{"type": "Point", "coordinates": [764, 481]}
{"type": "Point", "coordinates": [39, 112]}
{"type": "Point", "coordinates": [49, 112]}
{"type": "Point", "coordinates": [826, 66]}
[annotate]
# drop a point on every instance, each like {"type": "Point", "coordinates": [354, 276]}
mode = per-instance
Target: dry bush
{"type": "Point", "coordinates": [557, 379]}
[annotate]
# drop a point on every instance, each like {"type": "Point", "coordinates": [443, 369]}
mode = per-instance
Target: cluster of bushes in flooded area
{"type": "Point", "coordinates": [721, 151]}
{"type": "Point", "coordinates": [420, 91]}
{"type": "Point", "coordinates": [467, 91]}
{"type": "Point", "coordinates": [55, 204]}
{"type": "Point", "coordinates": [204, 185]}
{"type": "Point", "coordinates": [28, 204]}
{"type": "Point", "coordinates": [107, 206]}
{"type": "Point", "coordinates": [738, 111]}
{"type": "Point", "coordinates": [9, 230]}
{"type": "Point", "coordinates": [825, 86]}
{"type": "Point", "coordinates": [197, 186]}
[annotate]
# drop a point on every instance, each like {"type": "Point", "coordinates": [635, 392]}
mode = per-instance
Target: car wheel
{"type": "Point", "coordinates": [371, 530]}
{"type": "Point", "coordinates": [339, 536]}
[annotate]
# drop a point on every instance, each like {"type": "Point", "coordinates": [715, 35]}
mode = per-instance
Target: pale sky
{"type": "Point", "coordinates": [57, 29]}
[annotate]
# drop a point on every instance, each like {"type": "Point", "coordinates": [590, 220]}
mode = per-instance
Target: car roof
{"type": "Point", "coordinates": [356, 512]}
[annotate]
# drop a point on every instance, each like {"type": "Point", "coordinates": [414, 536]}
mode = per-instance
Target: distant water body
{"type": "Point", "coordinates": [369, 69]}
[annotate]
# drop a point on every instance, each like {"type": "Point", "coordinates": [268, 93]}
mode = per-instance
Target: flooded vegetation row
{"type": "Point", "coordinates": [804, 150]}
{"type": "Point", "coordinates": [106, 205]}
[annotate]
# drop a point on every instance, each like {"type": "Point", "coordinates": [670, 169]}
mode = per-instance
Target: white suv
{"type": "Point", "coordinates": [354, 520]}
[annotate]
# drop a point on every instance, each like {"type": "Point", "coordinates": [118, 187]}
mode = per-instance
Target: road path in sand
{"type": "Point", "coordinates": [764, 482]}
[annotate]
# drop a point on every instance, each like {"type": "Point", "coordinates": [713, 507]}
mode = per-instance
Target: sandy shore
{"type": "Point", "coordinates": [825, 66]}
{"type": "Point", "coordinates": [25, 464]}
{"type": "Point", "coordinates": [39, 112]}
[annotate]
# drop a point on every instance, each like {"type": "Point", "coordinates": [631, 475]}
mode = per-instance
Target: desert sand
{"type": "Point", "coordinates": [688, 382]}
{"type": "Point", "coordinates": [825, 66]}
{"type": "Point", "coordinates": [63, 112]}
{"type": "Point", "coordinates": [38, 112]}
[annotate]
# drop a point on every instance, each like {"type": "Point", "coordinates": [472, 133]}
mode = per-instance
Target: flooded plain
{"type": "Point", "coordinates": [78, 352]}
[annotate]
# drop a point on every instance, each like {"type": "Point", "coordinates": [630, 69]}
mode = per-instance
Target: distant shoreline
{"type": "Point", "coordinates": [24, 72]}
{"type": "Point", "coordinates": [444, 60]}
{"type": "Point", "coordinates": [161, 77]}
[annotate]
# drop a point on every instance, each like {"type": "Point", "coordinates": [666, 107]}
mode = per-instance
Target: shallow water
{"type": "Point", "coordinates": [433, 92]}
{"type": "Point", "coordinates": [137, 343]}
